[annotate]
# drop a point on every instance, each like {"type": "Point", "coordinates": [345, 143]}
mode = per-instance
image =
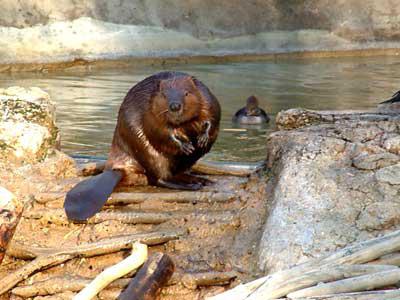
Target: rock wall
{"type": "Point", "coordinates": [334, 184]}
{"type": "Point", "coordinates": [353, 19]}
{"type": "Point", "coordinates": [43, 31]}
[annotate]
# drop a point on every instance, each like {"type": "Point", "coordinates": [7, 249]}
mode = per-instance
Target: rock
{"type": "Point", "coordinates": [375, 161]}
{"type": "Point", "coordinates": [27, 125]}
{"type": "Point", "coordinates": [392, 144]}
{"type": "Point", "coordinates": [322, 200]}
{"type": "Point", "coordinates": [299, 117]}
{"type": "Point", "coordinates": [379, 216]}
{"type": "Point", "coordinates": [389, 174]}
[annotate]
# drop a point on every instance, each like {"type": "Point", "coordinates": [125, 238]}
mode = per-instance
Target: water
{"type": "Point", "coordinates": [87, 102]}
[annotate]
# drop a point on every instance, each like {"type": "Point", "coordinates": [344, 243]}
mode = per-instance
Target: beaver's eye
{"type": "Point", "coordinates": [186, 93]}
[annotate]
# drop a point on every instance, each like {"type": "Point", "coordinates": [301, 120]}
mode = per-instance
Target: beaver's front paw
{"type": "Point", "coordinates": [187, 148]}
{"type": "Point", "coordinates": [184, 144]}
{"type": "Point", "coordinates": [203, 139]}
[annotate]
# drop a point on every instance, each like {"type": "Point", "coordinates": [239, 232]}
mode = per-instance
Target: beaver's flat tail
{"type": "Point", "coordinates": [89, 196]}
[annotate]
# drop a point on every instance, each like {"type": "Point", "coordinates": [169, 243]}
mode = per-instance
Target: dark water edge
{"type": "Point", "coordinates": [88, 100]}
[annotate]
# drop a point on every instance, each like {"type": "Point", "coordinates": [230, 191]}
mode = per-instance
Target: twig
{"type": "Point", "coordinates": [149, 280]}
{"type": "Point", "coordinates": [192, 281]}
{"type": "Point", "coordinates": [222, 168]}
{"type": "Point", "coordinates": [355, 284]}
{"type": "Point", "coordinates": [101, 247]}
{"type": "Point", "coordinates": [60, 284]}
{"type": "Point", "coordinates": [47, 257]}
{"type": "Point", "coordinates": [37, 264]}
{"type": "Point", "coordinates": [132, 262]}
{"type": "Point", "coordinates": [58, 216]}
{"type": "Point", "coordinates": [139, 197]}
{"type": "Point", "coordinates": [203, 167]}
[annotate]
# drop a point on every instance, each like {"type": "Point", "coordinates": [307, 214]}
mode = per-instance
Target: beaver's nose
{"type": "Point", "coordinates": [175, 106]}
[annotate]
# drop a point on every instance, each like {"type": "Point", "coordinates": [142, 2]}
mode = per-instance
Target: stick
{"type": "Point", "coordinates": [203, 167]}
{"type": "Point", "coordinates": [355, 284]}
{"type": "Point", "coordinates": [147, 283]}
{"type": "Point", "coordinates": [101, 247]}
{"type": "Point", "coordinates": [370, 295]}
{"type": "Point", "coordinates": [221, 168]}
{"type": "Point", "coordinates": [179, 197]}
{"type": "Point", "coordinates": [388, 259]}
{"type": "Point", "coordinates": [60, 284]}
{"type": "Point", "coordinates": [57, 216]}
{"type": "Point", "coordinates": [138, 197]}
{"type": "Point", "coordinates": [132, 262]}
{"type": "Point", "coordinates": [355, 254]}
{"type": "Point", "coordinates": [192, 281]}
{"type": "Point", "coordinates": [37, 264]}
{"type": "Point", "coordinates": [10, 214]}
{"type": "Point", "coordinates": [325, 274]}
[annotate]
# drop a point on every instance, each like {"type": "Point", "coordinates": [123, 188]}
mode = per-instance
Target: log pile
{"type": "Point", "coordinates": [162, 211]}
{"type": "Point", "coordinates": [349, 273]}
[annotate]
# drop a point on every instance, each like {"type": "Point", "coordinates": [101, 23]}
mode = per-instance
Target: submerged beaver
{"type": "Point", "coordinates": [251, 113]}
{"type": "Point", "coordinates": [165, 124]}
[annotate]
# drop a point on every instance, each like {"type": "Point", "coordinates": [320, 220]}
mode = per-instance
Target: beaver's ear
{"type": "Point", "coordinates": [191, 80]}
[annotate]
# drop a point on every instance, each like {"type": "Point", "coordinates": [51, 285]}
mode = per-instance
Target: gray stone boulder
{"type": "Point", "coordinates": [27, 125]}
{"type": "Point", "coordinates": [333, 184]}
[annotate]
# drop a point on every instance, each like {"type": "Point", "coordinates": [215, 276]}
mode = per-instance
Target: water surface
{"type": "Point", "coordinates": [88, 101]}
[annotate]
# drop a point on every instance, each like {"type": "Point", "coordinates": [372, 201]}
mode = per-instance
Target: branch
{"type": "Point", "coordinates": [132, 262]}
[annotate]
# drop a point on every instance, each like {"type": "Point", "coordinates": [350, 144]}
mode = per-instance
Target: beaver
{"type": "Point", "coordinates": [251, 113]}
{"type": "Point", "coordinates": [165, 124]}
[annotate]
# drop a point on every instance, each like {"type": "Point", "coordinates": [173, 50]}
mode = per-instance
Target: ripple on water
{"type": "Point", "coordinates": [88, 102]}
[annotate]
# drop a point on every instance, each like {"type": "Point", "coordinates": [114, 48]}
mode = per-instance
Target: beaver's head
{"type": "Point", "coordinates": [178, 100]}
{"type": "Point", "coordinates": [252, 106]}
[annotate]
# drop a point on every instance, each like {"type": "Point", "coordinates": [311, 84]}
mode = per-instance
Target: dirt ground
{"type": "Point", "coordinates": [217, 236]}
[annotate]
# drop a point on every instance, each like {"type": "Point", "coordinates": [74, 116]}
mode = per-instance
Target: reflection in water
{"type": "Point", "coordinates": [88, 102]}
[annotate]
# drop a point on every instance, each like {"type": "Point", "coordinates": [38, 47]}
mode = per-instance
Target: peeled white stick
{"type": "Point", "coordinates": [132, 262]}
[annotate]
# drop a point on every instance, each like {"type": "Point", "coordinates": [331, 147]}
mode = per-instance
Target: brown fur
{"type": "Point", "coordinates": [145, 139]}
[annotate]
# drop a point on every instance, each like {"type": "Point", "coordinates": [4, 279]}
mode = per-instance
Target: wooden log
{"type": "Point", "coordinates": [355, 284]}
{"type": "Point", "coordinates": [204, 167]}
{"type": "Point", "coordinates": [325, 274]}
{"type": "Point", "coordinates": [132, 262]}
{"type": "Point", "coordinates": [388, 259]}
{"type": "Point", "coordinates": [58, 216]}
{"type": "Point", "coordinates": [140, 197]}
{"type": "Point", "coordinates": [101, 247]}
{"type": "Point", "coordinates": [61, 284]}
{"type": "Point", "coordinates": [370, 295]}
{"type": "Point", "coordinates": [59, 296]}
{"type": "Point", "coordinates": [178, 197]}
{"type": "Point", "coordinates": [10, 214]}
{"type": "Point", "coordinates": [226, 168]}
{"type": "Point", "coordinates": [47, 257]}
{"type": "Point", "coordinates": [39, 263]}
{"type": "Point", "coordinates": [150, 279]}
{"type": "Point", "coordinates": [192, 281]}
{"type": "Point", "coordinates": [91, 168]}
{"type": "Point", "coordinates": [355, 254]}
